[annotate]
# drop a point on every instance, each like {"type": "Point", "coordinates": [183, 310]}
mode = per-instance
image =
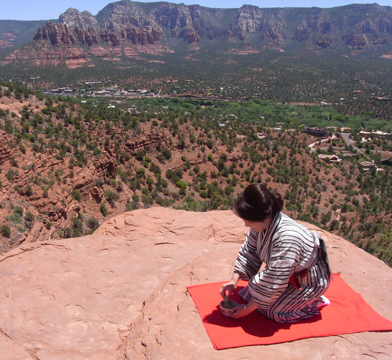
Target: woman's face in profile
{"type": "Point", "coordinates": [257, 225]}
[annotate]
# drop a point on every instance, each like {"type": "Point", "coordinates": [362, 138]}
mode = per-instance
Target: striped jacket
{"type": "Point", "coordinates": [285, 247]}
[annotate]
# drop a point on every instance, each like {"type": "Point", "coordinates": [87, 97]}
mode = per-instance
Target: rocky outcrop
{"type": "Point", "coordinates": [270, 27]}
{"type": "Point", "coordinates": [148, 35]}
{"type": "Point", "coordinates": [53, 205]}
{"type": "Point", "coordinates": [75, 19]}
{"type": "Point", "coordinates": [121, 292]}
{"type": "Point", "coordinates": [111, 37]}
{"type": "Point", "coordinates": [88, 36]}
{"type": "Point", "coordinates": [151, 141]}
{"type": "Point", "coordinates": [6, 151]}
{"type": "Point", "coordinates": [60, 206]}
{"type": "Point", "coordinates": [58, 34]}
{"type": "Point", "coordinates": [125, 20]}
{"type": "Point", "coordinates": [356, 41]}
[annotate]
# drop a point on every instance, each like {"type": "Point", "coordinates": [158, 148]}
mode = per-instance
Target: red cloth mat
{"type": "Point", "coordinates": [348, 313]}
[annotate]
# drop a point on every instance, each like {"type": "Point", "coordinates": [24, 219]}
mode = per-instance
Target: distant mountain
{"type": "Point", "coordinates": [125, 30]}
{"type": "Point", "coordinates": [15, 33]}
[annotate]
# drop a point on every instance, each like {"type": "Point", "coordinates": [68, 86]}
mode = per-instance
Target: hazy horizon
{"type": "Point", "coordinates": [49, 9]}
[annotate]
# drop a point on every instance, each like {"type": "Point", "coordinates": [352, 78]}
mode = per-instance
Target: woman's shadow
{"type": "Point", "coordinates": [255, 324]}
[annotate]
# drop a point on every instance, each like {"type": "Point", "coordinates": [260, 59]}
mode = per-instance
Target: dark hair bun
{"type": "Point", "coordinates": [257, 202]}
{"type": "Point", "coordinates": [278, 202]}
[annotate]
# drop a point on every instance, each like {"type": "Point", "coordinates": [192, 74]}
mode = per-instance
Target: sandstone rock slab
{"type": "Point", "coordinates": [121, 292]}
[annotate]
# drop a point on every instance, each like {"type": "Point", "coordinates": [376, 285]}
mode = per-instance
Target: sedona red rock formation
{"type": "Point", "coordinates": [124, 24]}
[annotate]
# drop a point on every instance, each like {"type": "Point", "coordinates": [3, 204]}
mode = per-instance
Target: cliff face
{"type": "Point", "coordinates": [123, 24]}
{"type": "Point", "coordinates": [121, 292]}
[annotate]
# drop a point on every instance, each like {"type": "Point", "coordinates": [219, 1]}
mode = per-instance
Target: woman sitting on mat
{"type": "Point", "coordinates": [297, 272]}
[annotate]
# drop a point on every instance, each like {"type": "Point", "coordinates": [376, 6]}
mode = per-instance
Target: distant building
{"type": "Point", "coordinates": [377, 133]}
{"type": "Point", "coordinates": [368, 165]}
{"type": "Point", "coordinates": [332, 158]}
{"type": "Point", "coordinates": [262, 136]}
{"type": "Point", "coordinates": [380, 133]}
{"type": "Point", "coordinates": [387, 162]}
{"type": "Point", "coordinates": [348, 154]}
{"type": "Point", "coordinates": [321, 133]}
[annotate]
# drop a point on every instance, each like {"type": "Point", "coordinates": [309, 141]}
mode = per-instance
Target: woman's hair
{"type": "Point", "coordinates": [256, 203]}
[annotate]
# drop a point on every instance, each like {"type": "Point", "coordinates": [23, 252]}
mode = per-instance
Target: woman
{"type": "Point", "coordinates": [296, 273]}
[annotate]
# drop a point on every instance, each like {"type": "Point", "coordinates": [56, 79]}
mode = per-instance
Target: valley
{"type": "Point", "coordinates": [69, 164]}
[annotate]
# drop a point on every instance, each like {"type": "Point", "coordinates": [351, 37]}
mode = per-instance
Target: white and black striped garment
{"type": "Point", "coordinates": [286, 245]}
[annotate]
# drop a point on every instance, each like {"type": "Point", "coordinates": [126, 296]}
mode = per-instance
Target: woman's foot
{"type": "Point", "coordinates": [322, 301]}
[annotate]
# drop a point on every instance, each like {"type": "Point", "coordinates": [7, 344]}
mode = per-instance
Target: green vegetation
{"type": "Point", "coordinates": [194, 155]}
{"type": "Point", "coordinates": [103, 209]}
{"type": "Point", "coordinates": [5, 231]}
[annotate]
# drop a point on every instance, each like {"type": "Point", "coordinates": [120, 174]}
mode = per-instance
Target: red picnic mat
{"type": "Point", "coordinates": [348, 313]}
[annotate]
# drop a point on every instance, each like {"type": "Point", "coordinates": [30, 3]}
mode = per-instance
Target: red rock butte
{"type": "Point", "coordinates": [121, 292]}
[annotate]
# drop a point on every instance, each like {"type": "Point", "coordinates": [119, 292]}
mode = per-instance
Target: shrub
{"type": "Point", "coordinates": [167, 153]}
{"type": "Point", "coordinates": [119, 186]}
{"type": "Point", "coordinates": [155, 168]}
{"type": "Point", "coordinates": [131, 205]}
{"type": "Point", "coordinates": [181, 184]}
{"type": "Point", "coordinates": [111, 197]}
{"type": "Point", "coordinates": [147, 201]}
{"type": "Point", "coordinates": [334, 225]}
{"type": "Point", "coordinates": [29, 190]}
{"type": "Point", "coordinates": [77, 224]}
{"type": "Point", "coordinates": [140, 172]}
{"type": "Point", "coordinates": [11, 174]}
{"type": "Point", "coordinates": [76, 195]}
{"type": "Point", "coordinates": [145, 190]}
{"type": "Point", "coordinates": [5, 231]}
{"type": "Point", "coordinates": [93, 223]}
{"type": "Point", "coordinates": [29, 216]}
{"type": "Point", "coordinates": [15, 218]}
{"type": "Point", "coordinates": [179, 173]}
{"type": "Point", "coordinates": [103, 209]}
{"type": "Point", "coordinates": [19, 210]}
{"type": "Point", "coordinates": [13, 162]}
{"type": "Point", "coordinates": [68, 233]}
{"type": "Point", "coordinates": [99, 182]}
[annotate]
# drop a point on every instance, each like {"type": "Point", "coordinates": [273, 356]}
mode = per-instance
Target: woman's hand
{"type": "Point", "coordinates": [227, 288]}
{"type": "Point", "coordinates": [243, 310]}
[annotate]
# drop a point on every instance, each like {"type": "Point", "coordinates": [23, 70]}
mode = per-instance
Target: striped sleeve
{"type": "Point", "coordinates": [248, 261]}
{"type": "Point", "coordinates": [269, 284]}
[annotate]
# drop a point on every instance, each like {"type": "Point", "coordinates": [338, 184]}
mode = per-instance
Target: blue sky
{"type": "Point", "coordinates": [51, 9]}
